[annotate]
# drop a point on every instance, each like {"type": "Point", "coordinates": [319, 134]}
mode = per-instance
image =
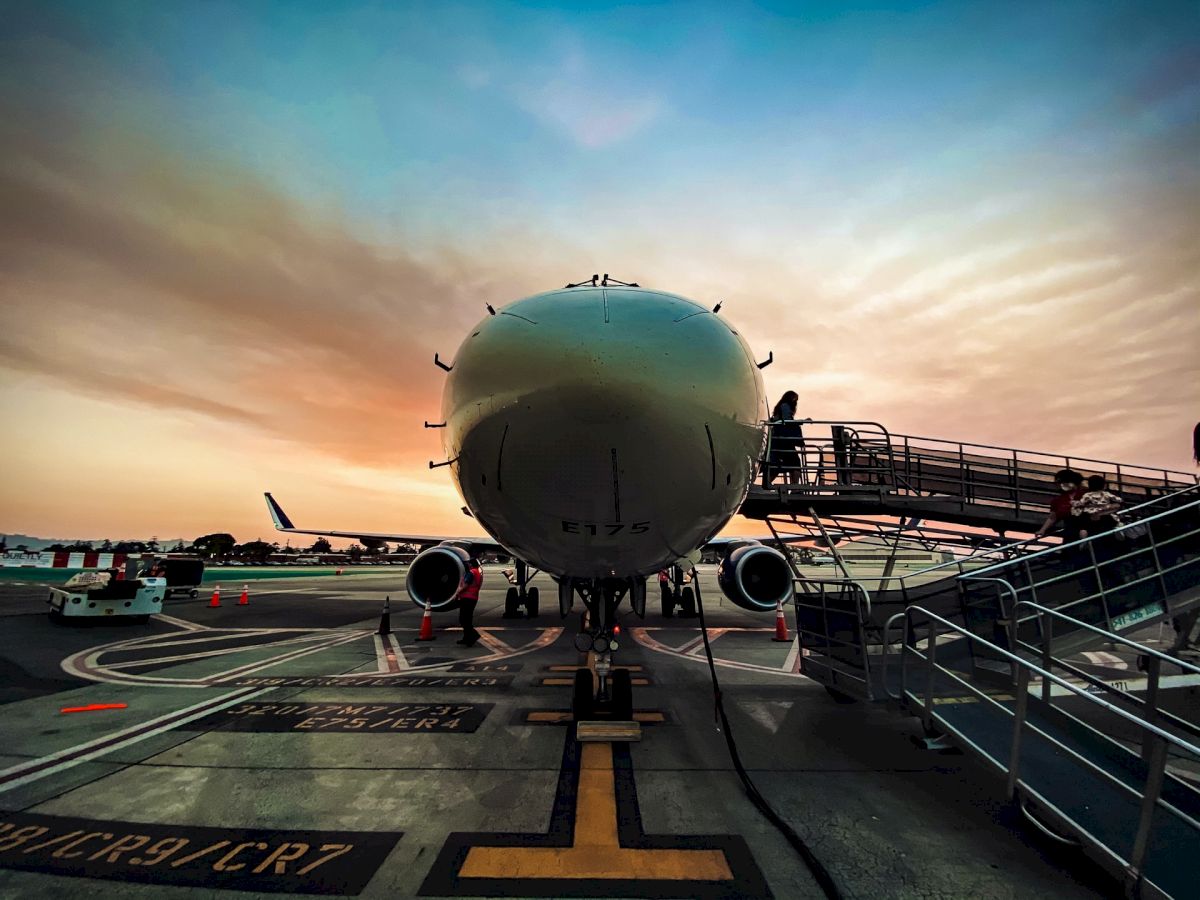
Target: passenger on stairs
{"type": "Point", "coordinates": [1096, 509]}
{"type": "Point", "coordinates": [786, 439]}
{"type": "Point", "coordinates": [1070, 489]}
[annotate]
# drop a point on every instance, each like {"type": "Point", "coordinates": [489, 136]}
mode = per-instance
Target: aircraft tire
{"type": "Point", "coordinates": [581, 696]}
{"type": "Point", "coordinates": [668, 604]}
{"type": "Point", "coordinates": [511, 601]}
{"type": "Point", "coordinates": [566, 596]}
{"type": "Point", "coordinates": [532, 599]}
{"type": "Point", "coordinates": [687, 604]}
{"type": "Point", "coordinates": [621, 688]}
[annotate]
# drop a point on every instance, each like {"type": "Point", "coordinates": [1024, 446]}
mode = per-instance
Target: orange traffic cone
{"type": "Point", "coordinates": [781, 631]}
{"type": "Point", "coordinates": [426, 625]}
{"type": "Point", "coordinates": [216, 598]}
{"type": "Point", "coordinates": [244, 600]}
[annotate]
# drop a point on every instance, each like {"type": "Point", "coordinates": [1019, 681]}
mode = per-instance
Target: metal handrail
{"type": "Point", "coordinates": [866, 595]}
{"type": "Point", "coordinates": [1155, 741]}
{"type": "Point", "coordinates": [863, 614]}
{"type": "Point", "coordinates": [1012, 454]}
{"type": "Point", "coordinates": [1107, 534]}
{"type": "Point", "coordinates": [1035, 669]}
{"type": "Point", "coordinates": [1108, 635]}
{"type": "Point", "coordinates": [883, 662]}
{"type": "Point", "coordinates": [1187, 476]}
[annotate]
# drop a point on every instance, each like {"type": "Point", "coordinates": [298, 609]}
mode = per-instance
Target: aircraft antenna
{"type": "Point", "coordinates": [592, 281]}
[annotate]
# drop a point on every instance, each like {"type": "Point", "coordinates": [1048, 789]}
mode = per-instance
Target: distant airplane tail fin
{"type": "Point", "coordinates": [282, 522]}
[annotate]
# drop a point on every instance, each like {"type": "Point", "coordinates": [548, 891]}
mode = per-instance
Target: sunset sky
{"type": "Point", "coordinates": [233, 235]}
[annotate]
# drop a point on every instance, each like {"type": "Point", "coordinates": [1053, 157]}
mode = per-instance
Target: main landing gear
{"type": "Point", "coordinates": [521, 595]}
{"type": "Point", "coordinates": [602, 692]}
{"type": "Point", "coordinates": [676, 596]}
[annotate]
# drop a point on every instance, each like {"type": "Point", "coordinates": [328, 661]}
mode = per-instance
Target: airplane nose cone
{"type": "Point", "coordinates": [599, 354]}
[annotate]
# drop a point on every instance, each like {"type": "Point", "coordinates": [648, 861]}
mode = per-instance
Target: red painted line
{"type": "Point", "coordinates": [93, 707]}
{"type": "Point", "coordinates": [393, 664]}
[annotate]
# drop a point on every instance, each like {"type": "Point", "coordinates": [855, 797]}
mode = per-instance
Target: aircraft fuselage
{"type": "Point", "coordinates": [603, 431]}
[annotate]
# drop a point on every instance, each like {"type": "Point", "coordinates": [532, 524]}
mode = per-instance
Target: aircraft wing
{"type": "Point", "coordinates": [729, 544]}
{"type": "Point", "coordinates": [474, 545]}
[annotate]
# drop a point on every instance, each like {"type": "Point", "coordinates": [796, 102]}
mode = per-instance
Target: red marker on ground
{"type": "Point", "coordinates": [93, 707]}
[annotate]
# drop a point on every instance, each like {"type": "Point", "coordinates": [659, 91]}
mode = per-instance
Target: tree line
{"type": "Point", "coordinates": [218, 545]}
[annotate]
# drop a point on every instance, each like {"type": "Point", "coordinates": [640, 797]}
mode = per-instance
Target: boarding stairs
{"type": "Point", "coordinates": [1117, 583]}
{"type": "Point", "coordinates": [1088, 764]}
{"type": "Point", "coordinates": [828, 468]}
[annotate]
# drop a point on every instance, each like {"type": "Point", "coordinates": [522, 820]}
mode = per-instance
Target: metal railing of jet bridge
{"type": "Point", "coordinates": [818, 457]}
{"type": "Point", "coordinates": [1147, 568]}
{"type": "Point", "coordinates": [940, 695]}
{"type": "Point", "coordinates": [839, 621]}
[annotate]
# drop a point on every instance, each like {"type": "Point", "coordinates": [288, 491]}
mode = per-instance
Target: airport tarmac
{"type": "Point", "coordinates": [284, 747]}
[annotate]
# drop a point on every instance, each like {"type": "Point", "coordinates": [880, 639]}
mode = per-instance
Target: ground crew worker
{"type": "Point", "coordinates": [668, 598]}
{"type": "Point", "coordinates": [468, 598]}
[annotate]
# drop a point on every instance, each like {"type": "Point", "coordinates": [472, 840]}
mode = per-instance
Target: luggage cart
{"type": "Point", "coordinates": [102, 594]}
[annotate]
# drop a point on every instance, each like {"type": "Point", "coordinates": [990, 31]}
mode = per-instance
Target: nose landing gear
{"type": "Point", "coordinates": [601, 691]}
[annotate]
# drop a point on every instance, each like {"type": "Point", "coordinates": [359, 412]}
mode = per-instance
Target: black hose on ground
{"type": "Point", "coordinates": [815, 866]}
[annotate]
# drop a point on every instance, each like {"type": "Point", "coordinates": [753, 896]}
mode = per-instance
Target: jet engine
{"type": "Point", "coordinates": [755, 577]}
{"type": "Point", "coordinates": [435, 574]}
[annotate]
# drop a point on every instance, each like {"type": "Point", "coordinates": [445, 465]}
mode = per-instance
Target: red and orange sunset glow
{"type": "Point", "coordinates": [233, 237]}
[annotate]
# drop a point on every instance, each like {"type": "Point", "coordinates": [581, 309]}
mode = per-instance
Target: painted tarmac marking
{"type": "Point", "coordinates": [642, 636]}
{"type": "Point", "coordinates": [571, 669]}
{"type": "Point", "coordinates": [86, 664]}
{"type": "Point", "coordinates": [493, 643]}
{"type": "Point", "coordinates": [484, 667]}
{"type": "Point", "coordinates": [371, 680]}
{"type": "Point", "coordinates": [303, 862]}
{"type": "Point", "coordinates": [33, 770]}
{"type": "Point", "coordinates": [388, 655]}
{"type": "Point", "coordinates": [1103, 658]}
{"type": "Point", "coordinates": [181, 623]}
{"type": "Point", "coordinates": [89, 664]}
{"type": "Point", "coordinates": [347, 716]}
{"type": "Point", "coordinates": [564, 717]}
{"type": "Point", "coordinates": [596, 846]}
{"type": "Point", "coordinates": [552, 681]}
{"type": "Point", "coordinates": [206, 654]}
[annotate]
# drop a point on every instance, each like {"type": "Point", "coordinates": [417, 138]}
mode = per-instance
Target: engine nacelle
{"type": "Point", "coordinates": [435, 574]}
{"type": "Point", "coordinates": [756, 577]}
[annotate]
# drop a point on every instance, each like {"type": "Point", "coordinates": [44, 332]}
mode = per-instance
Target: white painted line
{"type": "Point", "coordinates": [86, 665]}
{"type": "Point", "coordinates": [224, 651]}
{"type": "Point", "coordinates": [792, 664]}
{"type": "Point", "coordinates": [1102, 658]}
{"type": "Point", "coordinates": [208, 636]}
{"type": "Point", "coordinates": [181, 623]}
{"type": "Point", "coordinates": [401, 659]}
{"type": "Point", "coordinates": [255, 667]}
{"type": "Point", "coordinates": [642, 636]}
{"type": "Point", "coordinates": [24, 773]}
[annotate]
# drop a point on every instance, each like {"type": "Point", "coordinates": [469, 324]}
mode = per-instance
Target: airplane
{"type": "Point", "coordinates": [601, 432]}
